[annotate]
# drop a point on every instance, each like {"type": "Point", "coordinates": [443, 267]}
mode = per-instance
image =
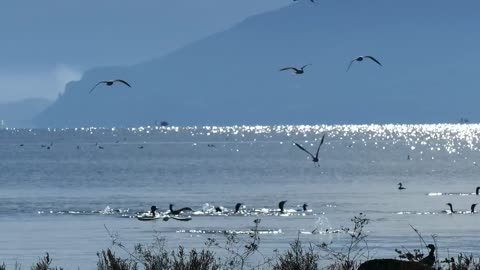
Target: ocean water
{"type": "Point", "coordinates": [59, 190]}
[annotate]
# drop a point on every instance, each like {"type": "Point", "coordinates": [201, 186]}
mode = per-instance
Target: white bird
{"type": "Point", "coordinates": [110, 83]}
{"type": "Point", "coordinates": [361, 58]}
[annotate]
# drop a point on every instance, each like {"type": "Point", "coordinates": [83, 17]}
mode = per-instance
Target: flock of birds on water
{"type": "Point", "coordinates": [219, 210]}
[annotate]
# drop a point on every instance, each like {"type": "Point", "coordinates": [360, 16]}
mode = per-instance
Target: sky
{"type": "Point", "coordinates": [46, 44]}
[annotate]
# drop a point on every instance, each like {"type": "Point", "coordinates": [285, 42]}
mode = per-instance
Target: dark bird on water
{"type": "Point", "coordinates": [472, 208]}
{"type": "Point", "coordinates": [477, 191]}
{"type": "Point", "coordinates": [237, 207]}
{"type": "Point", "coordinates": [400, 186]}
{"type": "Point", "coordinates": [304, 206]}
{"type": "Point", "coordinates": [281, 206]}
{"type": "Point", "coordinates": [296, 70]}
{"type": "Point", "coordinates": [178, 211]}
{"type": "Point", "coordinates": [110, 83]}
{"type": "Point", "coordinates": [140, 147]}
{"type": "Point", "coordinates": [100, 147]}
{"type": "Point", "coordinates": [361, 58]}
{"type": "Point", "coordinates": [218, 209]}
{"type": "Point", "coordinates": [314, 158]}
{"type": "Point", "coordinates": [152, 210]}
{"type": "Point", "coordinates": [21, 145]}
{"type": "Point", "coordinates": [310, 1]}
{"type": "Point", "coordinates": [451, 208]}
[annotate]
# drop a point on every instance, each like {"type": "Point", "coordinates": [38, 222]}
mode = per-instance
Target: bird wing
{"type": "Point", "coordinates": [124, 82]}
{"type": "Point", "coordinates": [301, 147]}
{"type": "Point", "coordinates": [373, 59]}
{"type": "Point", "coordinates": [350, 65]}
{"type": "Point", "coordinates": [306, 66]}
{"type": "Point", "coordinates": [287, 68]}
{"type": "Point", "coordinates": [91, 90]}
{"type": "Point", "coordinates": [321, 142]}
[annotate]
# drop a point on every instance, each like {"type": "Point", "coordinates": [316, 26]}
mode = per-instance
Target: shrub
{"type": "Point", "coordinates": [108, 261]}
{"type": "Point", "coordinates": [297, 259]}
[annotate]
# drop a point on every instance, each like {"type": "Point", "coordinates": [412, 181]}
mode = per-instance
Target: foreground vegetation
{"type": "Point", "coordinates": [242, 252]}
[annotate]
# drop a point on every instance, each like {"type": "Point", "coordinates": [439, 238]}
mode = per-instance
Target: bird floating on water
{"type": "Point", "coordinates": [400, 186]}
{"type": "Point", "coordinates": [361, 58]}
{"type": "Point", "coordinates": [110, 83]}
{"type": "Point", "coordinates": [472, 208]}
{"type": "Point", "coordinates": [451, 208]}
{"type": "Point", "coordinates": [314, 158]}
{"type": "Point", "coordinates": [237, 207]}
{"type": "Point", "coordinates": [281, 205]}
{"type": "Point", "coordinates": [296, 70]}
{"type": "Point", "coordinates": [477, 191]}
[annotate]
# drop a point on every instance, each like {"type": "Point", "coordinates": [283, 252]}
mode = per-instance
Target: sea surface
{"type": "Point", "coordinates": [61, 188]}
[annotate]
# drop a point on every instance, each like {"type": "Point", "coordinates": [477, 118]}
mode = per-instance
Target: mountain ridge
{"type": "Point", "coordinates": [233, 77]}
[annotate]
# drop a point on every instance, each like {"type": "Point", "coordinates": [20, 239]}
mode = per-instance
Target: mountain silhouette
{"type": "Point", "coordinates": [429, 52]}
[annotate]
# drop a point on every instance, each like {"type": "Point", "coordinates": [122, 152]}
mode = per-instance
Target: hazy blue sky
{"type": "Point", "coordinates": [47, 43]}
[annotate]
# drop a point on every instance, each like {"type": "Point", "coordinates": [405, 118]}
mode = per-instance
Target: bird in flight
{"type": "Point", "coordinates": [110, 83]}
{"type": "Point", "coordinates": [361, 58]}
{"type": "Point", "coordinates": [314, 158]}
{"type": "Point", "coordinates": [296, 70]}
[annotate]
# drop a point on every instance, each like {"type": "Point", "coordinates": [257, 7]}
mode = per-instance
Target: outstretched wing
{"type": "Point", "coordinates": [350, 65]}
{"type": "Point", "coordinates": [287, 68]}
{"type": "Point", "coordinates": [321, 142]}
{"type": "Point", "coordinates": [306, 66]}
{"type": "Point", "coordinates": [91, 90]}
{"type": "Point", "coordinates": [301, 147]}
{"type": "Point", "coordinates": [124, 82]}
{"type": "Point", "coordinates": [373, 59]}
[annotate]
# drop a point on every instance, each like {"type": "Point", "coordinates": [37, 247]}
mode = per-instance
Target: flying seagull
{"type": "Point", "coordinates": [296, 70]}
{"type": "Point", "coordinates": [110, 83]}
{"type": "Point", "coordinates": [361, 58]}
{"type": "Point", "coordinates": [314, 158]}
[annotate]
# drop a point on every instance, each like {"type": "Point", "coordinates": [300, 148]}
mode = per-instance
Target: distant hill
{"type": "Point", "coordinates": [429, 50]}
{"type": "Point", "coordinates": [21, 113]}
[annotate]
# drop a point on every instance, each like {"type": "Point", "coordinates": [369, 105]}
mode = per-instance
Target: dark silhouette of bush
{"type": "Point", "coordinates": [297, 259]}
{"type": "Point", "coordinates": [108, 261]}
{"type": "Point", "coordinates": [44, 264]}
